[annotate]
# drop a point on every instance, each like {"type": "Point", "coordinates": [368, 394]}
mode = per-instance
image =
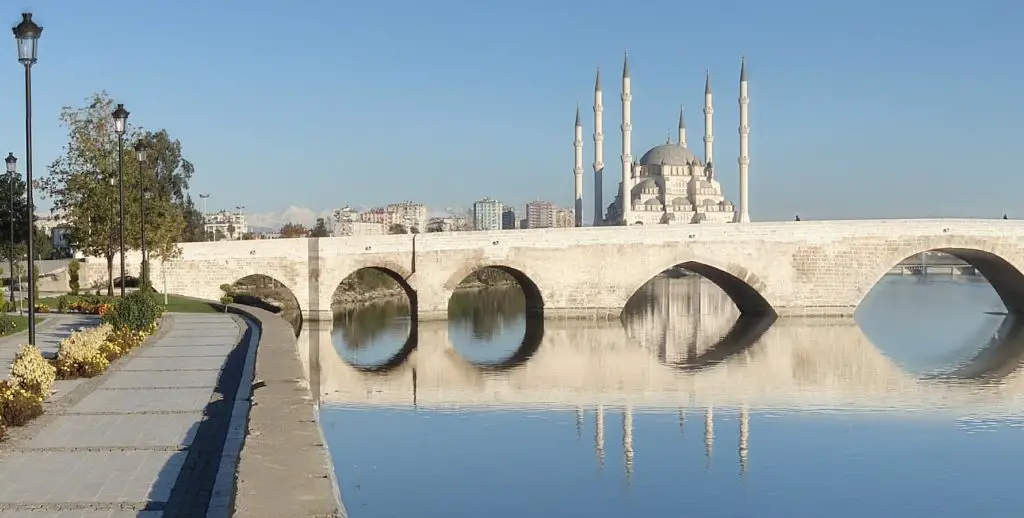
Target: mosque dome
{"type": "Point", "coordinates": [668, 154]}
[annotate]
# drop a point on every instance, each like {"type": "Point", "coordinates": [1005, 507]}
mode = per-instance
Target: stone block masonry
{"type": "Point", "coordinates": [821, 268]}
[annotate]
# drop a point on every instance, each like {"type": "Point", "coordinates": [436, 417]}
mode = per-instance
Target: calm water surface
{"type": "Point", "coordinates": [680, 409]}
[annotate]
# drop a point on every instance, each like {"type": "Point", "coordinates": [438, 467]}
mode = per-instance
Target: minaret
{"type": "Point", "coordinates": [709, 122]}
{"type": "Point", "coordinates": [577, 169]}
{"type": "Point", "coordinates": [598, 152]}
{"type": "Point", "coordinates": [599, 436]}
{"type": "Point", "coordinates": [682, 128]}
{"type": "Point", "coordinates": [626, 196]}
{"type": "Point", "coordinates": [709, 433]}
{"type": "Point", "coordinates": [627, 442]}
{"type": "Point", "coordinates": [744, 438]}
{"type": "Point", "coordinates": [744, 160]}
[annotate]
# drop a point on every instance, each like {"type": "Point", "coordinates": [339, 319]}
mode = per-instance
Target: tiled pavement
{"type": "Point", "coordinates": [124, 449]}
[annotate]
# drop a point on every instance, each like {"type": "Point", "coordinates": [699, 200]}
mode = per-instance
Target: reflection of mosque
{"type": "Point", "coordinates": [679, 318]}
{"type": "Point", "coordinates": [629, 453]}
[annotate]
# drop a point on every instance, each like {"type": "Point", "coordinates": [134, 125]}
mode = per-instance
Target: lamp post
{"type": "Point", "coordinates": [12, 169]}
{"type": "Point", "coordinates": [120, 124]}
{"type": "Point", "coordinates": [205, 197]}
{"type": "Point", "coordinates": [27, 34]}
{"type": "Point", "coordinates": [140, 154]}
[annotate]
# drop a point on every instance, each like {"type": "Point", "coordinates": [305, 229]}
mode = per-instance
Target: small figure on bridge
{"type": "Point", "coordinates": [1004, 216]}
{"type": "Point", "coordinates": [797, 217]}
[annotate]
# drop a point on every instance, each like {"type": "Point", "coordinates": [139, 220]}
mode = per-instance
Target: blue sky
{"type": "Point", "coordinates": [858, 109]}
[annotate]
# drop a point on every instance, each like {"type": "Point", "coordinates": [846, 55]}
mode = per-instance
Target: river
{"type": "Point", "coordinates": [683, 408]}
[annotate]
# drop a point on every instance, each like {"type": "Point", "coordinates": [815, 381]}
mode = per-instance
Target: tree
{"type": "Point", "coordinates": [231, 230]}
{"type": "Point", "coordinates": [248, 236]}
{"type": "Point", "coordinates": [414, 230]}
{"type": "Point", "coordinates": [218, 235]}
{"type": "Point", "coordinates": [320, 229]}
{"type": "Point", "coordinates": [293, 230]}
{"type": "Point", "coordinates": [82, 185]}
{"type": "Point", "coordinates": [397, 228]}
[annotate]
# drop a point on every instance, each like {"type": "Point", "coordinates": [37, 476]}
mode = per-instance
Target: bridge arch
{"type": "Point", "coordinates": [743, 287]}
{"type": "Point", "coordinates": [993, 262]}
{"type": "Point", "coordinates": [531, 291]}
{"type": "Point", "coordinates": [267, 292]}
{"type": "Point", "coordinates": [398, 273]}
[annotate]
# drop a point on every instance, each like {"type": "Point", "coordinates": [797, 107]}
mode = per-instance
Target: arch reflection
{"type": "Point", "coordinates": [690, 322]}
{"type": "Point", "coordinates": [999, 358]}
{"type": "Point", "coordinates": [375, 338]}
{"type": "Point", "coordinates": [796, 364]}
{"type": "Point", "coordinates": [491, 328]}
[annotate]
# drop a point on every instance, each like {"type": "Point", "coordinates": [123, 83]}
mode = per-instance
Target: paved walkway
{"type": "Point", "coordinates": [143, 440]}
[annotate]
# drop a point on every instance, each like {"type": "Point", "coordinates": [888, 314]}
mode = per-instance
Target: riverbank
{"type": "Point", "coordinates": [284, 467]}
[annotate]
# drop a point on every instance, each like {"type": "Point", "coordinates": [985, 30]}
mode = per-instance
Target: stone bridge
{"type": "Point", "coordinates": [821, 268]}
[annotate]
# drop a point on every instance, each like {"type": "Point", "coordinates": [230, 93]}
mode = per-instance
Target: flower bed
{"type": "Point", "coordinates": [86, 353]}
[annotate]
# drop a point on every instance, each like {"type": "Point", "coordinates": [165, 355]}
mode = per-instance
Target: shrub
{"type": "Point", "coordinates": [32, 372]}
{"type": "Point", "coordinates": [73, 267]}
{"type": "Point", "coordinates": [83, 353]}
{"type": "Point", "coordinates": [17, 405]}
{"type": "Point", "coordinates": [7, 325]}
{"type": "Point", "coordinates": [63, 304]}
{"type": "Point", "coordinates": [138, 311]}
{"type": "Point", "coordinates": [42, 308]}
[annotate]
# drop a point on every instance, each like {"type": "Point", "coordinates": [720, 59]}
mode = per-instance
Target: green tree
{"type": "Point", "coordinates": [231, 230]}
{"type": "Point", "coordinates": [82, 187]}
{"type": "Point", "coordinates": [320, 229]}
{"type": "Point", "coordinates": [73, 281]}
{"type": "Point", "coordinates": [293, 230]}
{"type": "Point", "coordinates": [397, 228]}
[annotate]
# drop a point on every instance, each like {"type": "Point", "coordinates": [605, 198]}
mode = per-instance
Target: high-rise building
{"type": "Point", "coordinates": [509, 218]}
{"type": "Point", "coordinates": [487, 214]}
{"type": "Point", "coordinates": [540, 214]}
{"type": "Point", "coordinates": [225, 225]}
{"type": "Point", "coordinates": [407, 214]}
{"type": "Point", "coordinates": [563, 218]}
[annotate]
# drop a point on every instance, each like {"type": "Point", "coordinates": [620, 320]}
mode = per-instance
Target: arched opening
{"type": "Point", "coordinates": [265, 292]}
{"type": "Point", "coordinates": [374, 325]}
{"type": "Point", "coordinates": [496, 318]}
{"type": "Point", "coordinates": [693, 316]}
{"type": "Point", "coordinates": [936, 311]}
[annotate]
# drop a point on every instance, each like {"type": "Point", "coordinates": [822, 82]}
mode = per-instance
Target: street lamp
{"type": "Point", "coordinates": [12, 169]}
{"type": "Point", "coordinates": [120, 123]}
{"type": "Point", "coordinates": [140, 154]}
{"type": "Point", "coordinates": [27, 34]}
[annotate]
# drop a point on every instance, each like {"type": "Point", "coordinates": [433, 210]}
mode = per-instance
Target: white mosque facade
{"type": "Point", "coordinates": [669, 184]}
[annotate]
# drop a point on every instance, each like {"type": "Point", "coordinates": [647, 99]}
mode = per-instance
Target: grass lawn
{"type": "Point", "coordinates": [175, 303]}
{"type": "Point", "coordinates": [22, 323]}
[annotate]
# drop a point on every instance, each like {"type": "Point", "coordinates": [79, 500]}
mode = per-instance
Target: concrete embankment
{"type": "Point", "coordinates": [284, 467]}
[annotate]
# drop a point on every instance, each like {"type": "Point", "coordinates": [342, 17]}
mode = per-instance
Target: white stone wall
{"type": "Point", "coordinates": [811, 267]}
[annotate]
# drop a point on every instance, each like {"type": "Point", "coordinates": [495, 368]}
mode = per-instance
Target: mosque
{"type": "Point", "coordinates": [669, 184]}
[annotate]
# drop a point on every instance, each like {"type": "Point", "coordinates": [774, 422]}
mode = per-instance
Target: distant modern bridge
{"type": "Point", "coordinates": [820, 268]}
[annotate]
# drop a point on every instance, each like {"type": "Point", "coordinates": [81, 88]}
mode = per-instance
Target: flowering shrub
{"type": "Point", "coordinates": [42, 308]}
{"type": "Point", "coordinates": [84, 353]}
{"type": "Point", "coordinates": [17, 405]}
{"type": "Point", "coordinates": [31, 371]}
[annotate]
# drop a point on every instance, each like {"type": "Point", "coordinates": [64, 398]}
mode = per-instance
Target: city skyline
{"type": "Point", "coordinates": [846, 127]}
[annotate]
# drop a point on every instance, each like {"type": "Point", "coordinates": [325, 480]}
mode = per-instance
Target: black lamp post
{"type": "Point", "coordinates": [12, 170]}
{"type": "Point", "coordinates": [27, 35]}
{"type": "Point", "coordinates": [120, 124]}
{"type": "Point", "coordinates": [140, 154]}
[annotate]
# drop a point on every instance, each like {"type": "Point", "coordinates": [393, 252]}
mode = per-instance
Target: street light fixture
{"type": "Point", "coordinates": [140, 155]}
{"type": "Point", "coordinates": [27, 34]}
{"type": "Point", "coordinates": [120, 123]}
{"type": "Point", "coordinates": [12, 170]}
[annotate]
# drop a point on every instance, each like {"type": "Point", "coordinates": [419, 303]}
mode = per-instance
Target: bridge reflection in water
{"type": "Point", "coordinates": [681, 346]}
